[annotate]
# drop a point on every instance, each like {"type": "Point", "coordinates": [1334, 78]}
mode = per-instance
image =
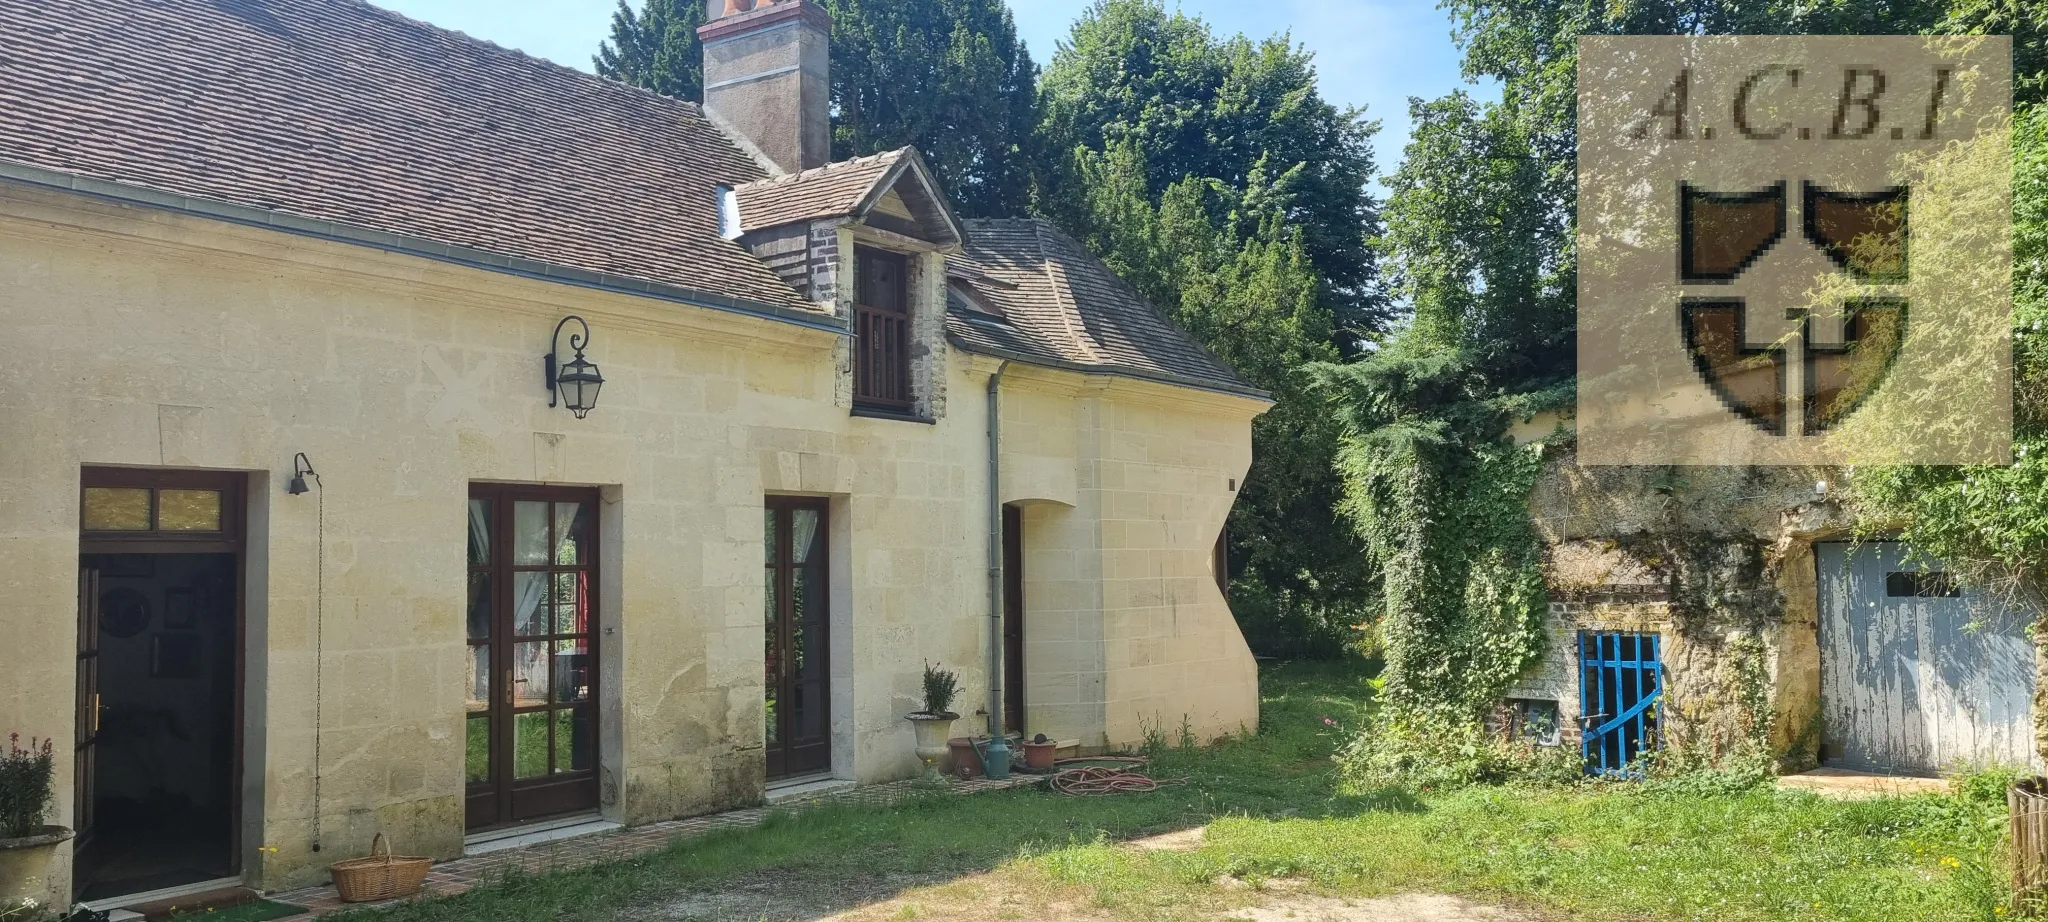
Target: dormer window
{"type": "Point", "coordinates": [881, 362]}
{"type": "Point", "coordinates": [729, 213]}
{"type": "Point", "coordinates": [868, 240]}
{"type": "Point", "coordinates": [963, 296]}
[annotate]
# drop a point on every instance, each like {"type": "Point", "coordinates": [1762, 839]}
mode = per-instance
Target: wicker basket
{"type": "Point", "coordinates": [381, 876]}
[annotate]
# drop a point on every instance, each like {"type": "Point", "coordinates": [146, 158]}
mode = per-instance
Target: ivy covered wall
{"type": "Point", "coordinates": [1719, 561]}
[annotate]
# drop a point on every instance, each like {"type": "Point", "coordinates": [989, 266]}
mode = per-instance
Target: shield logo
{"type": "Point", "coordinates": [1794, 250]}
{"type": "Point", "coordinates": [1722, 235]}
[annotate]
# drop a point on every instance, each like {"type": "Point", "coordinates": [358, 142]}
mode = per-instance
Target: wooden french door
{"type": "Point", "coordinates": [85, 748]}
{"type": "Point", "coordinates": [161, 636]}
{"type": "Point", "coordinates": [532, 728]}
{"type": "Point", "coordinates": [1013, 619]}
{"type": "Point", "coordinates": [797, 620]}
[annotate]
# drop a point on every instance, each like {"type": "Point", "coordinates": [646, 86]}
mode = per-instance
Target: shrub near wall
{"type": "Point", "coordinates": [1442, 499]}
{"type": "Point", "coordinates": [27, 786]}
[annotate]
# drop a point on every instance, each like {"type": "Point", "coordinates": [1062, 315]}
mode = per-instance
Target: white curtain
{"type": "Point", "coordinates": [479, 528]}
{"type": "Point", "coordinates": [531, 593]}
{"type": "Point", "coordinates": [805, 530]}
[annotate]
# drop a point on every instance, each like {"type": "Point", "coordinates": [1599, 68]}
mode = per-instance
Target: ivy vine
{"type": "Point", "coordinates": [1441, 497]}
{"type": "Point", "coordinates": [1464, 592]}
{"type": "Point", "coordinates": [1990, 523]}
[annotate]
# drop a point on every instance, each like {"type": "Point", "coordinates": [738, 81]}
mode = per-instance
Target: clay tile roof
{"type": "Point", "coordinates": [335, 110]}
{"type": "Point", "coordinates": [832, 191]}
{"type": "Point", "coordinates": [1061, 306]}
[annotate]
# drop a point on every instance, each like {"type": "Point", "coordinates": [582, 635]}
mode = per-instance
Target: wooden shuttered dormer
{"type": "Point", "coordinates": [881, 365]}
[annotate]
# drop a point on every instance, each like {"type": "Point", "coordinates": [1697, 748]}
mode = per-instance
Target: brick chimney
{"type": "Point", "coordinates": [768, 77]}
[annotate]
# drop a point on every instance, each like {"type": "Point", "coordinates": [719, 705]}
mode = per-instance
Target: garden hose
{"type": "Point", "coordinates": [1105, 775]}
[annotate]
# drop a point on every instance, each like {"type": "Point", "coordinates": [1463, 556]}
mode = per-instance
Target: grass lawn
{"type": "Point", "coordinates": [1280, 828]}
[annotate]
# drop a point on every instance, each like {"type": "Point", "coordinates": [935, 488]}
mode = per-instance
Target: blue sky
{"type": "Point", "coordinates": [1374, 53]}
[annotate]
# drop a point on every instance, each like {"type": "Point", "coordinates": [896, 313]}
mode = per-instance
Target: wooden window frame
{"type": "Point", "coordinates": [882, 379]}
{"type": "Point", "coordinates": [232, 486]}
{"type": "Point", "coordinates": [788, 756]}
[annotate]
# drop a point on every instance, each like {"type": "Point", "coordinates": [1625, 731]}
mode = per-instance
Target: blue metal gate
{"type": "Point", "coordinates": [1620, 684]}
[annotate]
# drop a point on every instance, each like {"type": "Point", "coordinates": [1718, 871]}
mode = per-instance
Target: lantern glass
{"type": "Point", "coordinates": [579, 383]}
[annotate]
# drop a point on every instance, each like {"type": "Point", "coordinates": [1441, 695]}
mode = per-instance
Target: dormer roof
{"type": "Point", "coordinates": [894, 190]}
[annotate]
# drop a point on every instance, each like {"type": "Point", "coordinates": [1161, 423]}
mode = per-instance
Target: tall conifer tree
{"type": "Point", "coordinates": [948, 76]}
{"type": "Point", "coordinates": [656, 48]}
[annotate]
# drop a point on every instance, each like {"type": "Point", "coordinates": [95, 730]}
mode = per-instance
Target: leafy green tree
{"type": "Point", "coordinates": [2026, 21]}
{"type": "Point", "coordinates": [949, 76]}
{"type": "Point", "coordinates": [1479, 248]}
{"type": "Point", "coordinates": [656, 48]}
{"type": "Point", "coordinates": [1239, 279]}
{"type": "Point", "coordinates": [1481, 223]}
{"type": "Point", "coordinates": [1991, 523]}
{"type": "Point", "coordinates": [1214, 177]}
{"type": "Point", "coordinates": [1231, 110]}
{"type": "Point", "coordinates": [1442, 501]}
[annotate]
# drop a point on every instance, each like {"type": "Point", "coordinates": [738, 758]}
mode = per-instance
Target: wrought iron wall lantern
{"type": "Point", "coordinates": [574, 385]}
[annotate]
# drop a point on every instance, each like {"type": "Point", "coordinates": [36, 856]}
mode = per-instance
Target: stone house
{"type": "Point", "coordinates": [1718, 610]}
{"type": "Point", "coordinates": [408, 435]}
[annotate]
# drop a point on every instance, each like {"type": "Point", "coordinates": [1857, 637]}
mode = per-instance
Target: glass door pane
{"type": "Point", "coordinates": [481, 623]}
{"type": "Point", "coordinates": [808, 655]}
{"type": "Point", "coordinates": [796, 655]}
{"type": "Point", "coordinates": [533, 559]}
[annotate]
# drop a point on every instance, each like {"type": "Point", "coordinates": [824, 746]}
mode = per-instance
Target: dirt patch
{"type": "Point", "coordinates": [974, 901]}
{"type": "Point", "coordinates": [1413, 907]}
{"type": "Point", "coordinates": [786, 898]}
{"type": "Point", "coordinates": [1837, 784]}
{"type": "Point", "coordinates": [1004, 896]}
{"type": "Point", "coordinates": [1186, 840]}
{"type": "Point", "coordinates": [1016, 892]}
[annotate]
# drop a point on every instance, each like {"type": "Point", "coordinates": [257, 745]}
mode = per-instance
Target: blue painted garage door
{"type": "Point", "coordinates": [1918, 675]}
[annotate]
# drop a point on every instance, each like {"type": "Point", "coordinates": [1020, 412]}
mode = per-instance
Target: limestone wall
{"type": "Point", "coordinates": [1127, 630]}
{"type": "Point", "coordinates": [145, 338]}
{"type": "Point", "coordinates": [1719, 561]}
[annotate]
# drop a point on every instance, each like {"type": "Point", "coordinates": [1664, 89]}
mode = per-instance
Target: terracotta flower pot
{"type": "Point", "coordinates": [1039, 756]}
{"type": "Point", "coordinates": [25, 868]}
{"type": "Point", "coordinates": [966, 762]}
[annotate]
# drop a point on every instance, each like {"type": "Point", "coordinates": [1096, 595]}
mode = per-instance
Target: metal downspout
{"type": "Point", "coordinates": [998, 748]}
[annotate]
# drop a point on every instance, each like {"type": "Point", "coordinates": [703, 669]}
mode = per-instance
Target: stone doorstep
{"type": "Point", "coordinates": [451, 878]}
{"type": "Point", "coordinates": [541, 835]}
{"type": "Point", "coordinates": [807, 789]}
{"type": "Point", "coordinates": [1842, 784]}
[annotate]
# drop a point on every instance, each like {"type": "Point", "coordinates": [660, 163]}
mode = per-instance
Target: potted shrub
{"type": "Point", "coordinates": [934, 724]}
{"type": "Point", "coordinates": [27, 845]}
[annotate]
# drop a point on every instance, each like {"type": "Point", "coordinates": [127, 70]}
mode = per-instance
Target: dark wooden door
{"type": "Point", "coordinates": [130, 519]}
{"type": "Point", "coordinates": [532, 728]}
{"type": "Point", "coordinates": [797, 636]}
{"type": "Point", "coordinates": [1013, 619]}
{"type": "Point", "coordinates": [85, 751]}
